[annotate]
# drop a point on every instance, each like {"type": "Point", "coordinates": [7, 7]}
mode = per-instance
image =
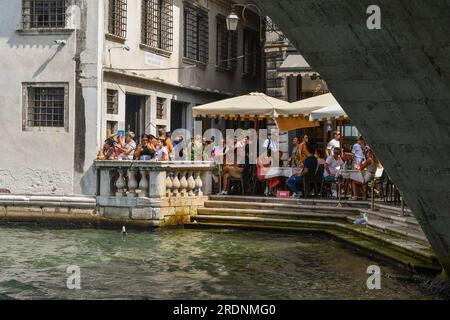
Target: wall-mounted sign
{"type": "Point", "coordinates": [153, 60]}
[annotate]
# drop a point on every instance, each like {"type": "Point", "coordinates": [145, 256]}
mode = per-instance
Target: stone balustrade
{"type": "Point", "coordinates": [152, 190]}
{"type": "Point", "coordinates": [146, 179]}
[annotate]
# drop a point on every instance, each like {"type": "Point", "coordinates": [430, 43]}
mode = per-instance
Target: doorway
{"type": "Point", "coordinates": [178, 113]}
{"type": "Point", "coordinates": [135, 114]}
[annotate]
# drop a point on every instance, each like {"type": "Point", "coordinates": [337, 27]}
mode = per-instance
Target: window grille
{"type": "Point", "coordinates": [112, 101]}
{"type": "Point", "coordinates": [44, 14]}
{"type": "Point", "coordinates": [46, 107]}
{"type": "Point", "coordinates": [160, 102]}
{"type": "Point", "coordinates": [252, 53]}
{"type": "Point", "coordinates": [196, 34]}
{"type": "Point", "coordinates": [157, 24]}
{"type": "Point", "coordinates": [226, 46]}
{"type": "Point", "coordinates": [118, 18]}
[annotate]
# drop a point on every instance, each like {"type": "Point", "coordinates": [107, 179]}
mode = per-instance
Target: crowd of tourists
{"type": "Point", "coordinates": [307, 161]}
{"type": "Point", "coordinates": [335, 159]}
{"type": "Point", "coordinates": [150, 148]}
{"type": "Point", "coordinates": [235, 163]}
{"type": "Point", "coordinates": [156, 149]}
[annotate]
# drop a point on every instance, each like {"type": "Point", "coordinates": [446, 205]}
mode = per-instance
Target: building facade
{"type": "Point", "coordinates": [73, 71]}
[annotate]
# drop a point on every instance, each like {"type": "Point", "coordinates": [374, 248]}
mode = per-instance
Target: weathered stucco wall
{"type": "Point", "coordinates": [394, 84]}
{"type": "Point", "coordinates": [42, 161]}
{"type": "Point", "coordinates": [205, 77]}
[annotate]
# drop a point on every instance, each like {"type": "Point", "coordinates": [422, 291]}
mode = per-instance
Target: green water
{"type": "Point", "coordinates": [188, 264]}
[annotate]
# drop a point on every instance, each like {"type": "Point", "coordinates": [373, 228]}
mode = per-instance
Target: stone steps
{"type": "Point", "coordinates": [417, 250]}
{"type": "Point", "coordinates": [407, 253]}
{"type": "Point", "coordinates": [394, 229]}
{"type": "Point", "coordinates": [392, 209]}
{"type": "Point", "coordinates": [395, 238]}
{"type": "Point", "coordinates": [390, 224]}
{"type": "Point", "coordinates": [309, 201]}
{"type": "Point", "coordinates": [291, 207]}
{"type": "Point", "coordinates": [275, 214]}
{"type": "Point", "coordinates": [394, 218]}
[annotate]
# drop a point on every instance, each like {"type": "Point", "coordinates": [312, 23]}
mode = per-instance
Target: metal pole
{"type": "Point", "coordinates": [372, 205]}
{"type": "Point", "coordinates": [339, 194]}
{"type": "Point", "coordinates": [402, 202]}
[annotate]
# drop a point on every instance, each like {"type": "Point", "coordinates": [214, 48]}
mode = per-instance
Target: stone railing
{"type": "Point", "coordinates": [152, 193]}
{"type": "Point", "coordinates": [144, 179]}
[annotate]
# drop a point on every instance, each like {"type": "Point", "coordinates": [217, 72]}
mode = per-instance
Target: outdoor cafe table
{"type": "Point", "coordinates": [354, 175]}
{"type": "Point", "coordinates": [273, 172]}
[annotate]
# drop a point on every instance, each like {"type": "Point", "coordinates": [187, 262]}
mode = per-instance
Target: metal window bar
{"type": "Point", "coordinates": [44, 14]}
{"type": "Point", "coordinates": [226, 46]}
{"type": "Point", "coordinates": [203, 36]}
{"type": "Point", "coordinates": [157, 24]}
{"type": "Point", "coordinates": [160, 108]}
{"type": "Point", "coordinates": [118, 18]}
{"type": "Point", "coordinates": [46, 107]}
{"type": "Point", "coordinates": [112, 102]}
{"type": "Point", "coordinates": [196, 34]}
{"type": "Point", "coordinates": [190, 33]}
{"type": "Point", "coordinates": [252, 57]}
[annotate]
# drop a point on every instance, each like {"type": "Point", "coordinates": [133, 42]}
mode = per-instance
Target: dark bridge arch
{"type": "Point", "coordinates": [395, 85]}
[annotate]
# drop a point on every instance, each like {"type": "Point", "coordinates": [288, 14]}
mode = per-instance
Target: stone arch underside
{"type": "Point", "coordinates": [394, 83]}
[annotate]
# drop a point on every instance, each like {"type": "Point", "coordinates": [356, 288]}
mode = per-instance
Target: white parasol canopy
{"type": "Point", "coordinates": [253, 104]}
{"type": "Point", "coordinates": [331, 111]}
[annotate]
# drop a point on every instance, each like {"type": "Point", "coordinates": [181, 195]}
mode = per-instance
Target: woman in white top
{"type": "Point", "coordinates": [162, 154]}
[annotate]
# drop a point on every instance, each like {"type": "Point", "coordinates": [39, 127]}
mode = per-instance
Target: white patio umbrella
{"type": "Point", "coordinates": [297, 115]}
{"type": "Point", "coordinates": [254, 104]}
{"type": "Point", "coordinates": [332, 111]}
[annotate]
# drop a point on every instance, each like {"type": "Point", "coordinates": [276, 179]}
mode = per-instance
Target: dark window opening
{"type": "Point", "coordinates": [157, 24]}
{"type": "Point", "coordinates": [252, 53]}
{"type": "Point", "coordinates": [226, 46]}
{"type": "Point", "coordinates": [196, 34]}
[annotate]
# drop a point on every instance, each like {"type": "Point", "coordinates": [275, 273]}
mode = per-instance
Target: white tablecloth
{"type": "Point", "coordinates": [354, 175]}
{"type": "Point", "coordinates": [273, 172]}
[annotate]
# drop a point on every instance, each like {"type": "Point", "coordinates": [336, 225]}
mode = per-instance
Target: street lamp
{"type": "Point", "coordinates": [233, 19]}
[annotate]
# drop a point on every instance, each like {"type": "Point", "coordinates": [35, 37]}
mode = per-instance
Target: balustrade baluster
{"type": "Point", "coordinates": [169, 183]}
{"type": "Point", "coordinates": [143, 184]}
{"type": "Point", "coordinates": [132, 183]}
{"type": "Point", "coordinates": [191, 184]}
{"type": "Point", "coordinates": [176, 185]}
{"type": "Point", "coordinates": [183, 184]}
{"type": "Point", "coordinates": [120, 184]}
{"type": "Point", "coordinates": [198, 185]}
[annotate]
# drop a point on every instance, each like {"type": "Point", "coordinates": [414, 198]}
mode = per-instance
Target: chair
{"type": "Point", "coordinates": [244, 176]}
{"type": "Point", "coordinates": [378, 181]}
{"type": "Point", "coordinates": [239, 180]}
{"type": "Point", "coordinates": [314, 178]}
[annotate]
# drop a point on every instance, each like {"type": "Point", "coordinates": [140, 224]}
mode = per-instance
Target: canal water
{"type": "Point", "coordinates": [189, 264]}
